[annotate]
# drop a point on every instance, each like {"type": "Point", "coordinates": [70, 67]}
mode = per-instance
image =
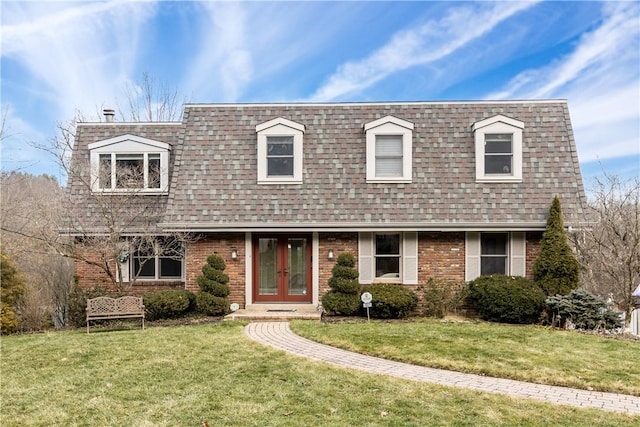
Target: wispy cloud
{"type": "Point", "coordinates": [423, 44]}
{"type": "Point", "coordinates": [601, 80]}
{"type": "Point", "coordinates": [74, 54]}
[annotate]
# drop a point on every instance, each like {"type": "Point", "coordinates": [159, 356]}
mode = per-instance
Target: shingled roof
{"type": "Point", "coordinates": [213, 182]}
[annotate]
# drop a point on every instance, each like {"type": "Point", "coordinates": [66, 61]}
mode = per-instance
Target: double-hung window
{"type": "Point", "coordinates": [389, 148]}
{"type": "Point", "coordinates": [498, 144]}
{"type": "Point", "coordinates": [388, 257]}
{"type": "Point", "coordinates": [161, 260]}
{"type": "Point", "coordinates": [280, 152]}
{"type": "Point", "coordinates": [129, 163]}
{"type": "Point", "coordinates": [494, 253]}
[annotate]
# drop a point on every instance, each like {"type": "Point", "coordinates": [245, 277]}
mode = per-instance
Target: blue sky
{"type": "Point", "coordinates": [63, 57]}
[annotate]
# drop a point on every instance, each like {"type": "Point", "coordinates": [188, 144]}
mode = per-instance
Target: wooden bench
{"type": "Point", "coordinates": [102, 308]}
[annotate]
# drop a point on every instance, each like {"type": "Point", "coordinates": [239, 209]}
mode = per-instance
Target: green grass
{"type": "Point", "coordinates": [528, 353]}
{"type": "Point", "coordinates": [181, 376]}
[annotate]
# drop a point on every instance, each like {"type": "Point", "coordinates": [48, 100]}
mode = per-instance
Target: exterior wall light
{"type": "Point", "coordinates": [330, 255]}
{"type": "Point", "coordinates": [234, 253]}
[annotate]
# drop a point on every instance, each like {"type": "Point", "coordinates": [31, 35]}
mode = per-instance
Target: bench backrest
{"type": "Point", "coordinates": [107, 305]}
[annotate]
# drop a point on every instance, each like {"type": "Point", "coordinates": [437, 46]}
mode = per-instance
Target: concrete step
{"type": "Point", "coordinates": [276, 312]}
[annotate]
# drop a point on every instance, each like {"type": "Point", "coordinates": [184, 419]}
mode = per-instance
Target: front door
{"type": "Point", "coordinates": [282, 270]}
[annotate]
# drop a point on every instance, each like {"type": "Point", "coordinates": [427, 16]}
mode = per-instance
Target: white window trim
{"type": "Point", "coordinates": [408, 258]}
{"type": "Point", "coordinates": [129, 144]}
{"type": "Point", "coordinates": [157, 278]}
{"type": "Point", "coordinates": [498, 125]}
{"type": "Point", "coordinates": [389, 125]}
{"type": "Point", "coordinates": [280, 127]}
{"type": "Point", "coordinates": [516, 254]}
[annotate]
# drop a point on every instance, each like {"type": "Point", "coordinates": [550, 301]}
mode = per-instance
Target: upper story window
{"type": "Point", "coordinates": [389, 150]}
{"type": "Point", "coordinates": [498, 142]}
{"type": "Point", "coordinates": [280, 152]}
{"type": "Point", "coordinates": [129, 163]}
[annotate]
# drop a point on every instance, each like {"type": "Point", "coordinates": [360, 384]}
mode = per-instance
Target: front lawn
{"type": "Point", "coordinates": [182, 376]}
{"type": "Point", "coordinates": [528, 353]}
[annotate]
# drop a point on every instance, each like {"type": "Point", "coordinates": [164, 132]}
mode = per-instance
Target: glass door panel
{"type": "Point", "coordinates": [297, 257]}
{"type": "Point", "coordinates": [268, 266]}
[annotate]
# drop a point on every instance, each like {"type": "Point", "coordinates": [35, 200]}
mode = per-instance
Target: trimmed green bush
{"type": "Point", "coordinates": [344, 296]}
{"type": "Point", "coordinates": [506, 299]}
{"type": "Point", "coordinates": [339, 303]}
{"type": "Point", "coordinates": [556, 269]}
{"type": "Point", "coordinates": [212, 298]}
{"type": "Point", "coordinates": [8, 319]}
{"type": "Point", "coordinates": [582, 310]}
{"type": "Point", "coordinates": [168, 304]}
{"type": "Point", "coordinates": [391, 301]}
{"type": "Point", "coordinates": [211, 305]}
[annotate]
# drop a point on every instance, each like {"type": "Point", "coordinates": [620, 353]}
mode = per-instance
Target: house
{"type": "Point", "coordinates": [415, 190]}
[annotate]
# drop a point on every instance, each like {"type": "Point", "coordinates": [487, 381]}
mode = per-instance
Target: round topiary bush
{"type": "Point", "coordinates": [213, 283]}
{"type": "Point", "coordinates": [211, 305]}
{"type": "Point", "coordinates": [168, 304]}
{"type": "Point", "coordinates": [345, 286]}
{"type": "Point", "coordinates": [391, 301]}
{"type": "Point", "coordinates": [506, 299]}
{"type": "Point", "coordinates": [342, 304]}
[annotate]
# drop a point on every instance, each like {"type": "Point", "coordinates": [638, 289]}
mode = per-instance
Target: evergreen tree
{"type": "Point", "coordinates": [344, 296]}
{"type": "Point", "coordinates": [556, 269]}
{"type": "Point", "coordinates": [212, 298]}
{"type": "Point", "coordinates": [11, 289]}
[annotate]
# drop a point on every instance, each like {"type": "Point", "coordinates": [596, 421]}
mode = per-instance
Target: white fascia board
{"type": "Point", "coordinates": [497, 119]}
{"type": "Point", "coordinates": [388, 119]}
{"type": "Point", "coordinates": [357, 104]}
{"type": "Point", "coordinates": [128, 138]}
{"type": "Point", "coordinates": [280, 121]}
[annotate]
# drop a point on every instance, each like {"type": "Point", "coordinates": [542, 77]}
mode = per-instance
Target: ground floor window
{"type": "Point", "coordinates": [494, 253]}
{"type": "Point", "coordinates": [161, 259]}
{"type": "Point", "coordinates": [387, 256]}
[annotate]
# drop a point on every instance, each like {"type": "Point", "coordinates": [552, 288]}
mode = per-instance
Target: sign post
{"type": "Point", "coordinates": [366, 302]}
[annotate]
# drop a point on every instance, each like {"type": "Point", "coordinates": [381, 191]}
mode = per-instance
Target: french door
{"type": "Point", "coordinates": [282, 268]}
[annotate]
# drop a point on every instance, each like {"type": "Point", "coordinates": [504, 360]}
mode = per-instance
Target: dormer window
{"type": "Point", "coordinates": [498, 142]}
{"type": "Point", "coordinates": [280, 148]}
{"type": "Point", "coordinates": [129, 163]}
{"type": "Point", "coordinates": [389, 150]}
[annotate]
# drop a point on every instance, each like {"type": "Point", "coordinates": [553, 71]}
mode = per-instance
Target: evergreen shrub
{"type": "Point", "coordinates": [344, 296]}
{"type": "Point", "coordinates": [391, 301]}
{"type": "Point", "coordinates": [582, 310]}
{"type": "Point", "coordinates": [12, 288]}
{"type": "Point", "coordinates": [77, 314]}
{"type": "Point", "coordinates": [507, 299]}
{"type": "Point", "coordinates": [212, 297]}
{"type": "Point", "coordinates": [556, 269]}
{"type": "Point", "coordinates": [168, 304]}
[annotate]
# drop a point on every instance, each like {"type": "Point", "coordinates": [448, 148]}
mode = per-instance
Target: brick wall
{"type": "Point", "coordinates": [533, 251]}
{"type": "Point", "coordinates": [441, 256]}
{"type": "Point", "coordinates": [338, 242]}
{"type": "Point", "coordinates": [221, 244]}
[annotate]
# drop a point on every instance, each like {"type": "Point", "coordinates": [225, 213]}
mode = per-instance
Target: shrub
{"type": "Point", "coordinates": [78, 303]}
{"type": "Point", "coordinates": [211, 305]}
{"type": "Point", "coordinates": [508, 299]}
{"type": "Point", "coordinates": [391, 301]}
{"type": "Point", "coordinates": [213, 283]}
{"type": "Point", "coordinates": [344, 296]}
{"type": "Point", "coordinates": [8, 319]}
{"type": "Point", "coordinates": [556, 269]}
{"type": "Point", "coordinates": [167, 304]}
{"type": "Point", "coordinates": [441, 297]}
{"type": "Point", "coordinates": [340, 303]}
{"type": "Point", "coordinates": [583, 310]}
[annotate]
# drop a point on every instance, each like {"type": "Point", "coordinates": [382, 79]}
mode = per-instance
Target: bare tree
{"type": "Point", "coordinates": [609, 250]}
{"type": "Point", "coordinates": [151, 101]}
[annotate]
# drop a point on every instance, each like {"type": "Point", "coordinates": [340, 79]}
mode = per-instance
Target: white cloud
{"type": "Point", "coordinates": [420, 45]}
{"type": "Point", "coordinates": [601, 80]}
{"type": "Point", "coordinates": [76, 54]}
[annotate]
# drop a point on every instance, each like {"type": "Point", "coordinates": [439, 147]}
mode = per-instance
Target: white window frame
{"type": "Point", "coordinates": [498, 125]}
{"type": "Point", "coordinates": [129, 145]}
{"type": "Point", "coordinates": [129, 274]}
{"type": "Point", "coordinates": [389, 125]}
{"type": "Point", "coordinates": [280, 127]}
{"type": "Point", "coordinates": [516, 253]}
{"type": "Point", "coordinates": [408, 274]}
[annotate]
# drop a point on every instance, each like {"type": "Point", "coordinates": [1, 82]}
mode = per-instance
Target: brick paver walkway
{"type": "Point", "coordinates": [278, 335]}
